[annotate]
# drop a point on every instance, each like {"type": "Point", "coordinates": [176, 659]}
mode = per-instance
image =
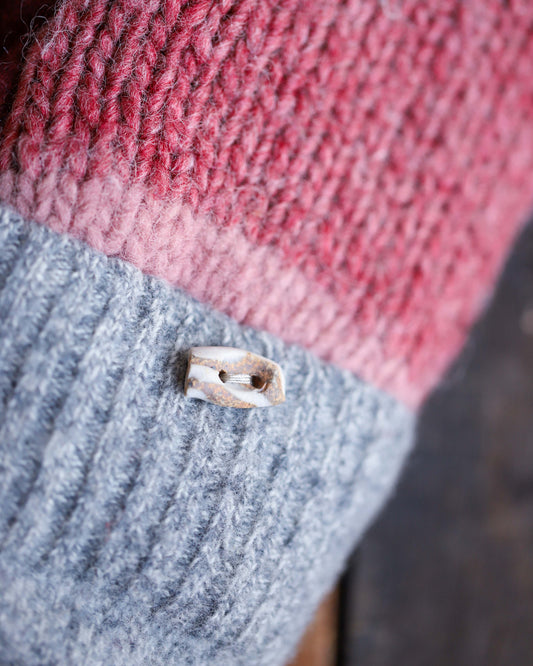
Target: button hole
{"type": "Point", "coordinates": [255, 381]}
{"type": "Point", "coordinates": [258, 382]}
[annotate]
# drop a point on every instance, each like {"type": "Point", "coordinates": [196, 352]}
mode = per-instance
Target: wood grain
{"type": "Point", "coordinates": [319, 644]}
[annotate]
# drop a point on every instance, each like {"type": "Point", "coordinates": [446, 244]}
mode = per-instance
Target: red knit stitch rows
{"type": "Point", "coordinates": [382, 158]}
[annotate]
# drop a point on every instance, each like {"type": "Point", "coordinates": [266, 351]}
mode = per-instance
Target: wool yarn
{"type": "Point", "coordinates": [345, 174]}
{"type": "Point", "coordinates": [139, 525]}
{"type": "Point", "coordinates": [330, 184]}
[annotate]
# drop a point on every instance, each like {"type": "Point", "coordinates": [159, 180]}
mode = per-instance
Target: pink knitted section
{"type": "Point", "coordinates": [346, 174]}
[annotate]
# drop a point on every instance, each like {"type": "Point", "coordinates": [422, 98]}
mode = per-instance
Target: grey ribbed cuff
{"type": "Point", "coordinates": [140, 526]}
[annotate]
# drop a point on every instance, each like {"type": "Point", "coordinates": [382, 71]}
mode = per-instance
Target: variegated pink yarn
{"type": "Point", "coordinates": [344, 174]}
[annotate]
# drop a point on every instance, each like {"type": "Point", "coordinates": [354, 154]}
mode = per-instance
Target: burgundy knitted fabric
{"type": "Point", "coordinates": [345, 174]}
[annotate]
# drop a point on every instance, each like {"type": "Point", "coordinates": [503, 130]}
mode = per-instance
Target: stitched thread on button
{"type": "Point", "coordinates": [233, 377]}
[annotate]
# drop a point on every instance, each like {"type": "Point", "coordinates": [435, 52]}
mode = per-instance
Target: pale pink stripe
{"type": "Point", "coordinates": [219, 266]}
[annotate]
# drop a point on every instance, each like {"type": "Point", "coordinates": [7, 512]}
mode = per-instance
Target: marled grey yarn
{"type": "Point", "coordinates": [140, 527]}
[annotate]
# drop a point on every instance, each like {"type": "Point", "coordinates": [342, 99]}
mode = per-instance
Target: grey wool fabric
{"type": "Point", "coordinates": [141, 527]}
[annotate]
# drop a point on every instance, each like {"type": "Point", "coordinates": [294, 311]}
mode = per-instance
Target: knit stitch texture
{"type": "Point", "coordinates": [347, 174]}
{"type": "Point", "coordinates": [141, 527]}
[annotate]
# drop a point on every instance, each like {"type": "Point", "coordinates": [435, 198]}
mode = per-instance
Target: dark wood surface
{"type": "Point", "coordinates": [446, 575]}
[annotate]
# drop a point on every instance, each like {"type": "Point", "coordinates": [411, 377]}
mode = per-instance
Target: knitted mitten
{"type": "Point", "coordinates": [332, 184]}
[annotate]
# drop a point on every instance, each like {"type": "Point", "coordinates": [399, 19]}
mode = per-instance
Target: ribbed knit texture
{"type": "Point", "coordinates": [347, 174]}
{"type": "Point", "coordinates": [141, 527]}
